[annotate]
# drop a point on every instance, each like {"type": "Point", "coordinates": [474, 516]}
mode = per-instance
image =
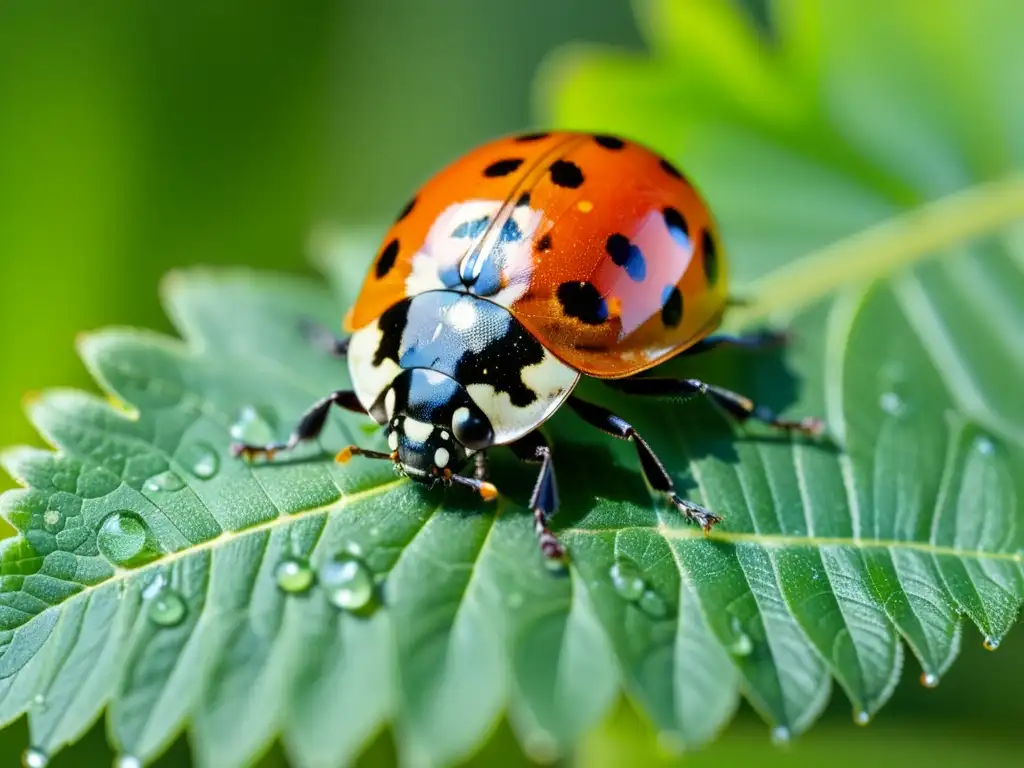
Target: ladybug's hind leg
{"type": "Point", "coordinates": [739, 407]}
{"type": "Point", "coordinates": [762, 340]}
{"type": "Point", "coordinates": [309, 427]}
{"type": "Point", "coordinates": [321, 337]}
{"type": "Point", "coordinates": [534, 448]}
{"type": "Point", "coordinates": [654, 471]}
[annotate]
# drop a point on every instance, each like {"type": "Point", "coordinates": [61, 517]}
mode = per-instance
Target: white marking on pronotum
{"type": "Point", "coordinates": [393, 441]}
{"type": "Point", "coordinates": [551, 380]}
{"type": "Point", "coordinates": [419, 431]}
{"type": "Point", "coordinates": [441, 458]}
{"type": "Point", "coordinates": [389, 403]}
{"type": "Point", "coordinates": [444, 435]}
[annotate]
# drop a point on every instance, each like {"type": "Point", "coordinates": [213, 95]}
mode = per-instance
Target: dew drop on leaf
{"type": "Point", "coordinates": [166, 608]}
{"type": "Point", "coordinates": [293, 575]}
{"type": "Point", "coordinates": [165, 481]}
{"type": "Point", "coordinates": [124, 539]}
{"type": "Point", "coordinates": [627, 580]}
{"type": "Point", "coordinates": [347, 582]}
{"type": "Point", "coordinates": [991, 643]}
{"type": "Point", "coordinates": [861, 717]}
{"type": "Point", "coordinates": [34, 757]}
{"type": "Point", "coordinates": [254, 425]}
{"type": "Point", "coordinates": [127, 761]}
{"type": "Point", "coordinates": [984, 445]}
{"type": "Point", "coordinates": [929, 680]}
{"type": "Point", "coordinates": [892, 403]}
{"type": "Point", "coordinates": [201, 460]}
{"type": "Point", "coordinates": [651, 603]}
{"type": "Point", "coordinates": [781, 735]}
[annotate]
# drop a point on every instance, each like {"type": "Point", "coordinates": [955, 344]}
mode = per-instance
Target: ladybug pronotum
{"type": "Point", "coordinates": [530, 262]}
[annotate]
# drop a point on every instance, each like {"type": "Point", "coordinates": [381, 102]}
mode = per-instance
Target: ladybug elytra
{"type": "Point", "coordinates": [530, 262]}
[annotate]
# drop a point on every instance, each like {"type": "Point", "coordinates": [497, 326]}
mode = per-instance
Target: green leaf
{"type": "Point", "coordinates": [146, 578]}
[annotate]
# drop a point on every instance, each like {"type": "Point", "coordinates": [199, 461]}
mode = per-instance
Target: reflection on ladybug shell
{"type": "Point", "coordinates": [597, 246]}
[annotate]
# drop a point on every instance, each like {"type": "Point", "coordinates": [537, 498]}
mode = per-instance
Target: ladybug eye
{"type": "Point", "coordinates": [470, 430]}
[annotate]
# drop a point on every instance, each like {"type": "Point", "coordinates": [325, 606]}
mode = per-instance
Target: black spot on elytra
{"type": "Point", "coordinates": [524, 199]}
{"type": "Point", "coordinates": [671, 170]}
{"type": "Point", "coordinates": [566, 174]}
{"type": "Point", "coordinates": [531, 137]}
{"type": "Point", "coordinates": [501, 362]}
{"type": "Point", "coordinates": [407, 210]}
{"type": "Point", "coordinates": [609, 142]}
{"type": "Point", "coordinates": [677, 226]}
{"type": "Point", "coordinates": [387, 258]}
{"type": "Point", "coordinates": [583, 301]}
{"type": "Point", "coordinates": [707, 243]}
{"type": "Point", "coordinates": [626, 255]}
{"type": "Point", "coordinates": [671, 306]}
{"type": "Point", "coordinates": [502, 167]}
{"type": "Point", "coordinates": [392, 325]}
{"type": "Point", "coordinates": [544, 244]}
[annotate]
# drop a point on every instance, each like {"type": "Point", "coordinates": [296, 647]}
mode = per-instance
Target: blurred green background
{"type": "Point", "coordinates": [138, 137]}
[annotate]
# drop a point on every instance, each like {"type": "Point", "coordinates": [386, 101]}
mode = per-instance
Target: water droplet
{"type": "Point", "coordinates": [293, 575]}
{"type": "Point", "coordinates": [124, 539]}
{"type": "Point", "coordinates": [34, 757]}
{"type": "Point", "coordinates": [892, 403]}
{"type": "Point", "coordinates": [348, 583]}
{"type": "Point", "coordinates": [39, 700]}
{"type": "Point", "coordinates": [651, 603]}
{"type": "Point", "coordinates": [991, 643]}
{"type": "Point", "coordinates": [352, 548]}
{"type": "Point", "coordinates": [52, 518]}
{"type": "Point", "coordinates": [781, 735]}
{"type": "Point", "coordinates": [201, 460]}
{"type": "Point", "coordinates": [165, 481]}
{"type": "Point", "coordinates": [929, 680]}
{"type": "Point", "coordinates": [627, 580]}
{"type": "Point", "coordinates": [862, 717]}
{"type": "Point", "coordinates": [741, 646]}
{"type": "Point", "coordinates": [254, 425]}
{"type": "Point", "coordinates": [984, 445]}
{"type": "Point", "coordinates": [166, 608]}
{"type": "Point", "coordinates": [127, 761]}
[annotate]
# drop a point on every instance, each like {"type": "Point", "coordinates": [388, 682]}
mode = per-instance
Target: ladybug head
{"type": "Point", "coordinates": [432, 426]}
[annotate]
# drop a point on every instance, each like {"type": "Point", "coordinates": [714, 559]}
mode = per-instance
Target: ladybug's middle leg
{"type": "Point", "coordinates": [739, 407]}
{"type": "Point", "coordinates": [534, 448]}
{"type": "Point", "coordinates": [651, 465]}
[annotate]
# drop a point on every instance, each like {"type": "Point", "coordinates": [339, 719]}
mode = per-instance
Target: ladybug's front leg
{"type": "Point", "coordinates": [533, 448]}
{"type": "Point", "coordinates": [651, 465]}
{"type": "Point", "coordinates": [308, 428]}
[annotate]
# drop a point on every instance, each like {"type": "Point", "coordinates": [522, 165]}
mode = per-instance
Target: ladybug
{"type": "Point", "coordinates": [529, 262]}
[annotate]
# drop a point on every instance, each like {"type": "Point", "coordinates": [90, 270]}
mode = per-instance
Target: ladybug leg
{"type": "Point", "coordinates": [308, 428]}
{"type": "Point", "coordinates": [654, 471]}
{"type": "Point", "coordinates": [738, 406]}
{"type": "Point", "coordinates": [321, 337]}
{"type": "Point", "coordinates": [534, 448]}
{"type": "Point", "coordinates": [762, 340]}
